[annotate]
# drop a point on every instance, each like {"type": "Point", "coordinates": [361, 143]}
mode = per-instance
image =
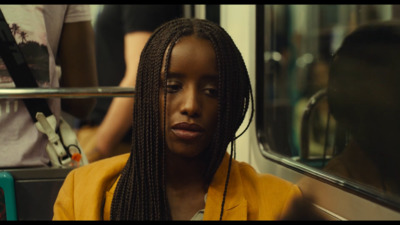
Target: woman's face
{"type": "Point", "coordinates": [192, 97]}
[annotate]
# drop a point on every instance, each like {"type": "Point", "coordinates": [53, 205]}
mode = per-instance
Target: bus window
{"type": "Point", "coordinates": [294, 119]}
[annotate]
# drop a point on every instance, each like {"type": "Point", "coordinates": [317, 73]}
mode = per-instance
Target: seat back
{"type": "Point", "coordinates": [31, 192]}
{"type": "Point", "coordinates": [8, 211]}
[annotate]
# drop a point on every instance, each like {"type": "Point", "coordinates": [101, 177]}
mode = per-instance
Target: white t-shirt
{"type": "Point", "coordinates": [37, 30]}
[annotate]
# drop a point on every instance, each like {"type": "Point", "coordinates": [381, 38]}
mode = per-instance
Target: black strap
{"type": "Point", "coordinates": [19, 70]}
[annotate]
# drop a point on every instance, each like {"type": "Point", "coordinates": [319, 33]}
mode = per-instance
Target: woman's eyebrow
{"type": "Point", "coordinates": [206, 76]}
{"type": "Point", "coordinates": [211, 76]}
{"type": "Point", "coordinates": [174, 75]}
{"type": "Point", "coordinates": [177, 75]}
{"type": "Point", "coordinates": [171, 75]}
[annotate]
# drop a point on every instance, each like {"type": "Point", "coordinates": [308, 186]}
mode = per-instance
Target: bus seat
{"type": "Point", "coordinates": [305, 156]}
{"type": "Point", "coordinates": [7, 187]}
{"type": "Point", "coordinates": [35, 191]}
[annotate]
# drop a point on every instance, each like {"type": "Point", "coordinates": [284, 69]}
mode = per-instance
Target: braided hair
{"type": "Point", "coordinates": [141, 192]}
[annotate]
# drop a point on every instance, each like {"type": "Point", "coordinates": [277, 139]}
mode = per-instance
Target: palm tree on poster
{"type": "Point", "coordinates": [14, 28]}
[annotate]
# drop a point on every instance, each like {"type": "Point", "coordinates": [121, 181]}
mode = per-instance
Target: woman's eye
{"type": "Point", "coordinates": [173, 87]}
{"type": "Point", "coordinates": [212, 92]}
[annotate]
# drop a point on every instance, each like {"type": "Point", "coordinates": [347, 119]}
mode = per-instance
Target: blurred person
{"type": "Point", "coordinates": [121, 32]}
{"type": "Point", "coordinates": [58, 44]}
{"type": "Point", "coordinates": [317, 80]}
{"type": "Point", "coordinates": [363, 96]}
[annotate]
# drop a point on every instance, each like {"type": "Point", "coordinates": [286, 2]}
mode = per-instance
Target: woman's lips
{"type": "Point", "coordinates": [187, 131]}
{"type": "Point", "coordinates": [186, 134]}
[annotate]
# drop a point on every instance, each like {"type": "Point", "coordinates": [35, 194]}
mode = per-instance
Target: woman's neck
{"type": "Point", "coordinates": [182, 171]}
{"type": "Point", "coordinates": [185, 186]}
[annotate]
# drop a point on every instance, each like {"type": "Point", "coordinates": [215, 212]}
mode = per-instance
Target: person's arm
{"type": "Point", "coordinates": [119, 116]}
{"type": "Point", "coordinates": [78, 65]}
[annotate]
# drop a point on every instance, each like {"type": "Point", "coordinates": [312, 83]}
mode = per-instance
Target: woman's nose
{"type": "Point", "coordinates": [191, 103]}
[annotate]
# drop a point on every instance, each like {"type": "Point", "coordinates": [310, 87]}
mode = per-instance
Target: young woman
{"type": "Point", "coordinates": [192, 94]}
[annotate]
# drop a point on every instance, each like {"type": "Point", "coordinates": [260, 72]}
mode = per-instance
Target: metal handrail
{"type": "Point", "coordinates": [87, 92]}
{"type": "Point", "coordinates": [304, 136]}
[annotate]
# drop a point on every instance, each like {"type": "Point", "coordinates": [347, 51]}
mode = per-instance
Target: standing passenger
{"type": "Point", "coordinates": [49, 36]}
{"type": "Point", "coordinates": [192, 94]}
{"type": "Point", "coordinates": [121, 32]}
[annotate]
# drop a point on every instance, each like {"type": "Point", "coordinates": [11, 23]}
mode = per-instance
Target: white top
{"type": "Point", "coordinates": [37, 30]}
{"type": "Point", "coordinates": [199, 215]}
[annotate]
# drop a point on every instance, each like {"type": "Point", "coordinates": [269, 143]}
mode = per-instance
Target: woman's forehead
{"type": "Point", "coordinates": [192, 51]}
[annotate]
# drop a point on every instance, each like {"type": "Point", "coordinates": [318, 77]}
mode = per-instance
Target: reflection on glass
{"type": "Point", "coordinates": [299, 41]}
{"type": "Point", "coordinates": [319, 136]}
{"type": "Point", "coordinates": [363, 96]}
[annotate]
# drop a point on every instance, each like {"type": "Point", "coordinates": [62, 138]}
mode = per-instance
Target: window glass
{"type": "Point", "coordinates": [295, 115]}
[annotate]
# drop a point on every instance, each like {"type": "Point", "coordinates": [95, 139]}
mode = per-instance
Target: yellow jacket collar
{"type": "Point", "coordinates": [235, 207]}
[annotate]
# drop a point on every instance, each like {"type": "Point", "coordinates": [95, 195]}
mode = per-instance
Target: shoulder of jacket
{"type": "Point", "coordinates": [249, 174]}
{"type": "Point", "coordinates": [102, 169]}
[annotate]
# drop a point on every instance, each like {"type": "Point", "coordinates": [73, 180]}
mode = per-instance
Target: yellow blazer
{"type": "Point", "coordinates": [87, 192]}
